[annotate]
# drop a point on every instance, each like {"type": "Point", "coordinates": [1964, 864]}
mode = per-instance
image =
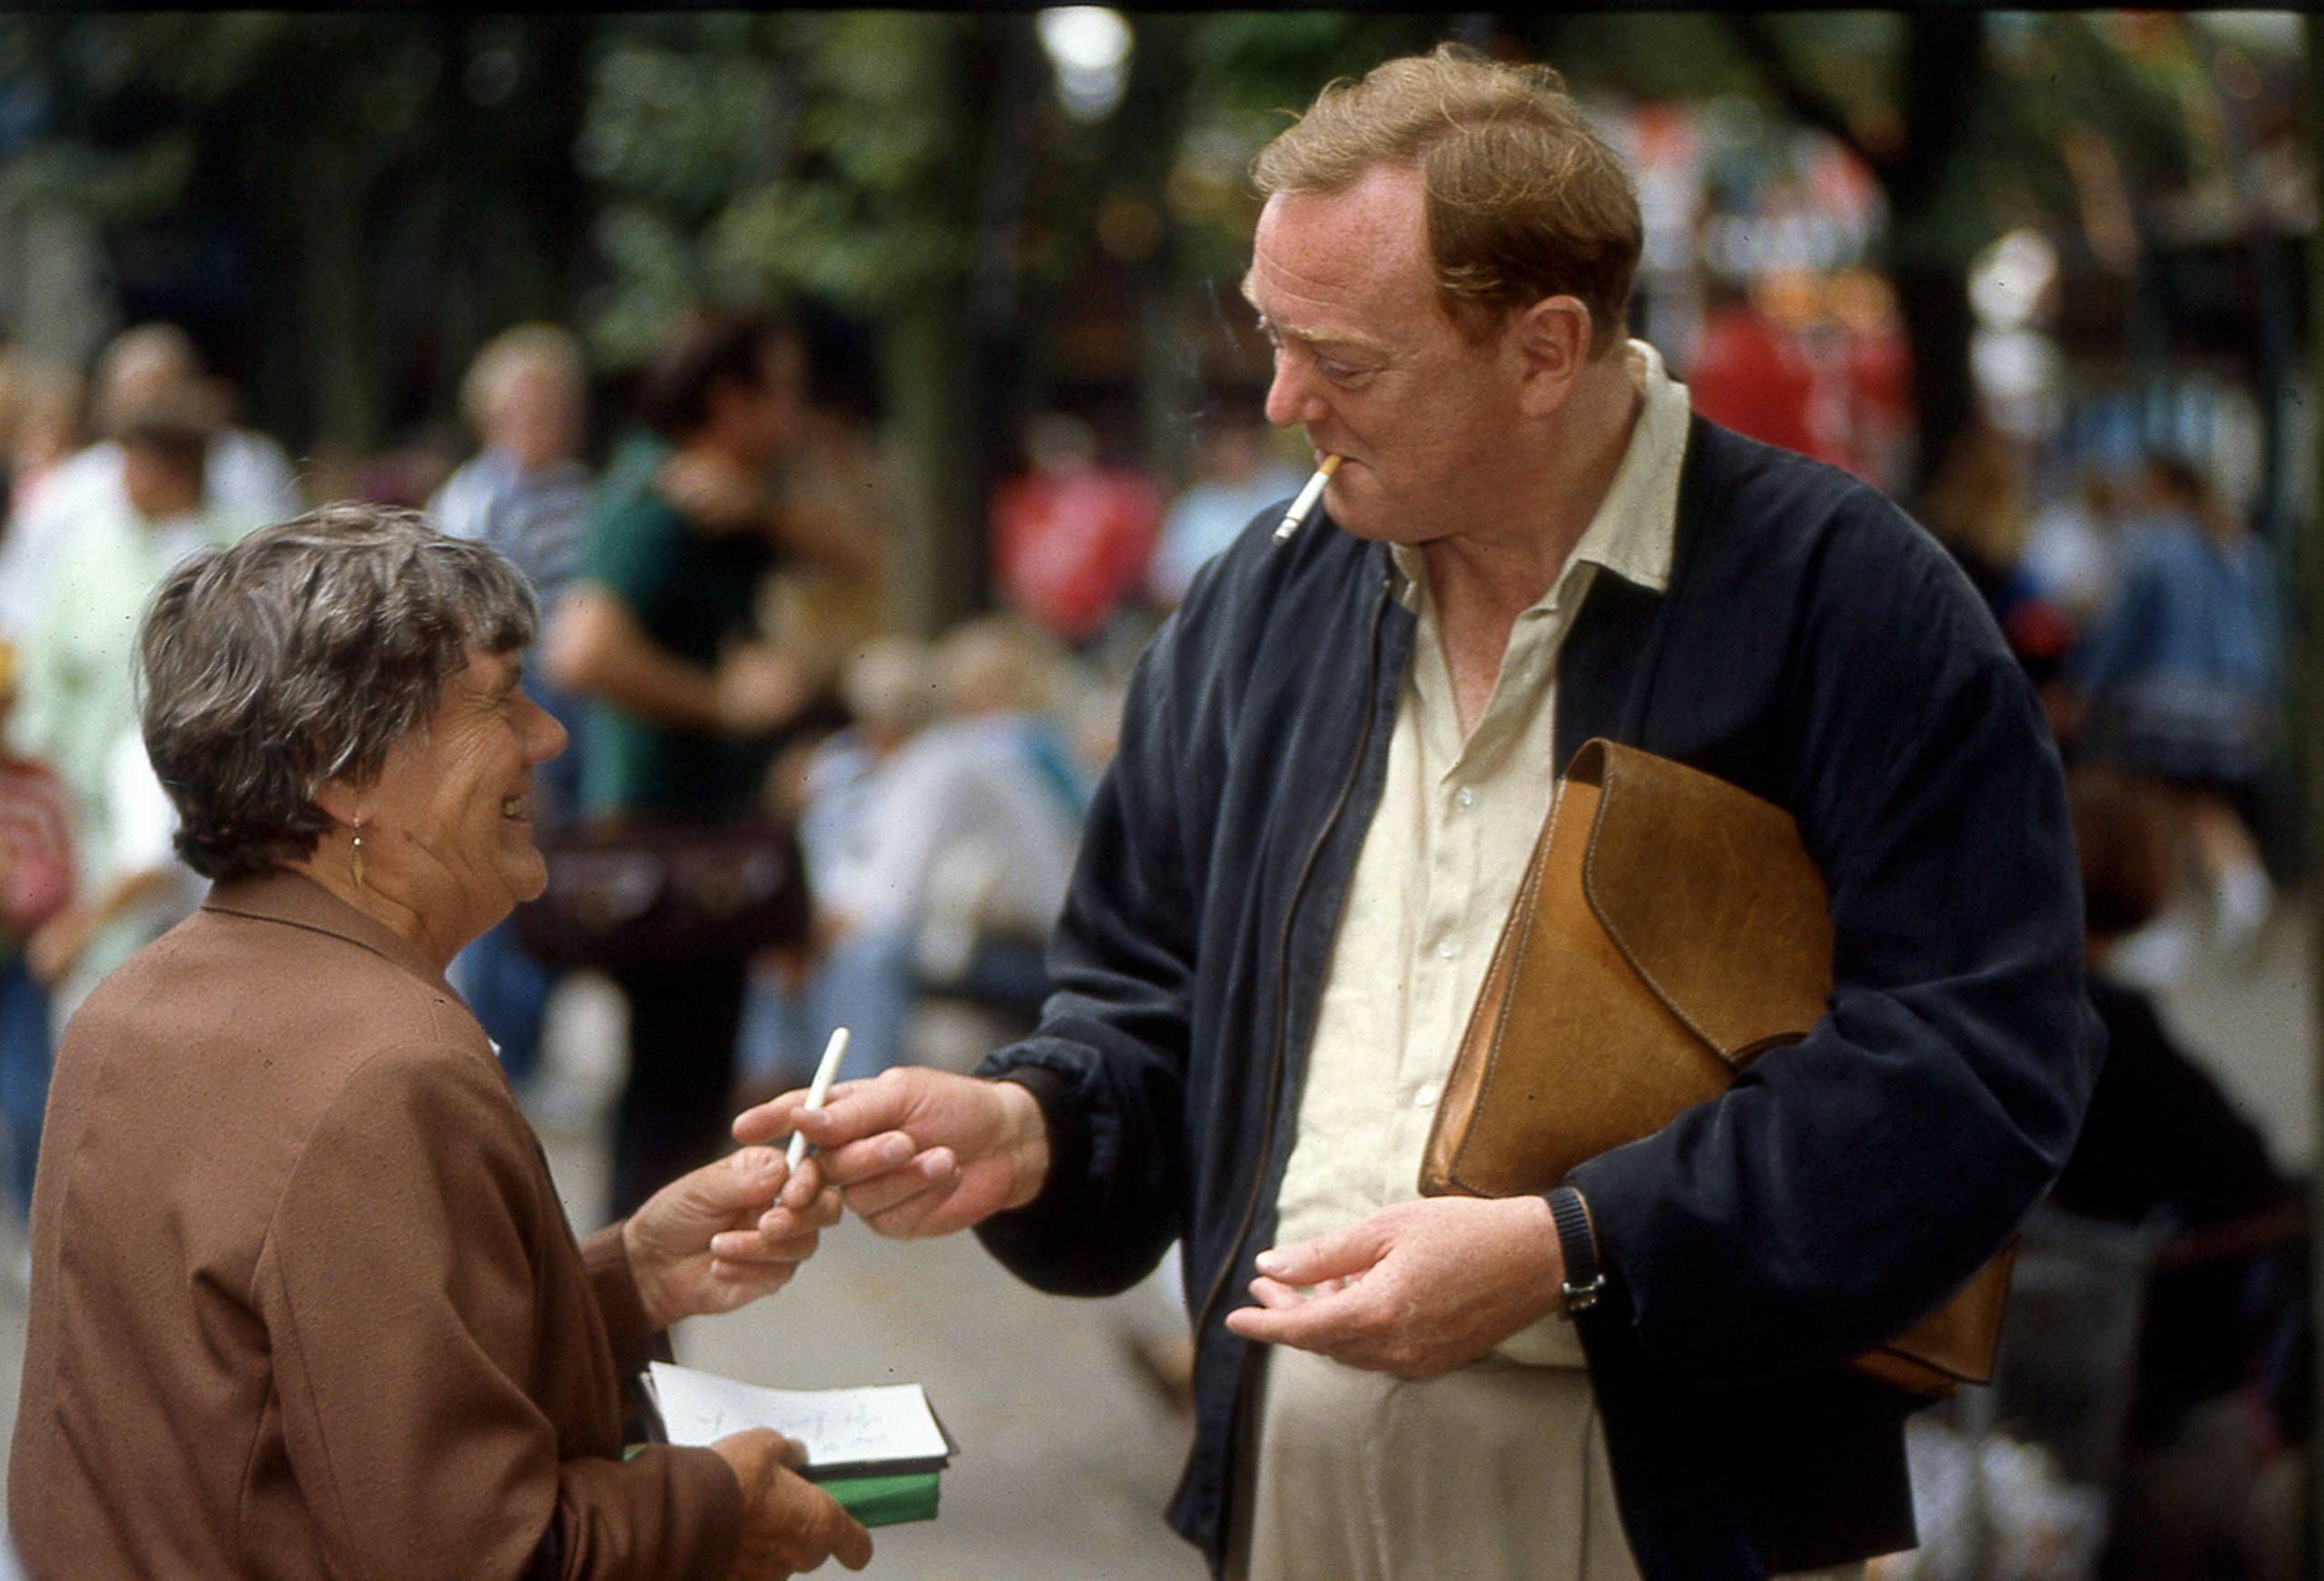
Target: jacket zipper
{"type": "Point", "coordinates": [1283, 968]}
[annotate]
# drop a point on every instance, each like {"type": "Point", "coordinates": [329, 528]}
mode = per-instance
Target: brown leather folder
{"type": "Point", "coordinates": [1670, 930]}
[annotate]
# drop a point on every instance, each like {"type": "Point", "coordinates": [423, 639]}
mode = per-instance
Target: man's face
{"type": "Point", "coordinates": [537, 417]}
{"type": "Point", "coordinates": [763, 419]}
{"type": "Point", "coordinates": [159, 485]}
{"type": "Point", "coordinates": [1367, 360]}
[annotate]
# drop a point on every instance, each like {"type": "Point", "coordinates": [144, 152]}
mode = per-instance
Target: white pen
{"type": "Point", "coordinates": [818, 1090]}
{"type": "Point", "coordinates": [1305, 505]}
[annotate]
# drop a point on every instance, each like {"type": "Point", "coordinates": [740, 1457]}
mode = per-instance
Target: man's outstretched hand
{"type": "Point", "coordinates": [915, 1152]}
{"type": "Point", "coordinates": [1416, 1289]}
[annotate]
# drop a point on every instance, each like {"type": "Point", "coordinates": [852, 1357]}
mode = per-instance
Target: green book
{"type": "Point", "coordinates": [877, 1450]}
{"type": "Point", "coordinates": [886, 1501]}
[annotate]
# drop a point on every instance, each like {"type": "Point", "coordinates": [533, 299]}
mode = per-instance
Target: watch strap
{"type": "Point", "coordinates": [1585, 1280]}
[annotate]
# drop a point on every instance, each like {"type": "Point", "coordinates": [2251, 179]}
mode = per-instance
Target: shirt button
{"type": "Point", "coordinates": [1426, 1097]}
{"type": "Point", "coordinates": [1467, 798]}
{"type": "Point", "coordinates": [1446, 949]}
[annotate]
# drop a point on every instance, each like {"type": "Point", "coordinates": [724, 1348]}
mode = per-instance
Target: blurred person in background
{"type": "Point", "coordinates": [1750, 374]}
{"type": "Point", "coordinates": [1980, 506]}
{"type": "Point", "coordinates": [79, 682]}
{"type": "Point", "coordinates": [686, 699]}
{"type": "Point", "coordinates": [2073, 549]}
{"type": "Point", "coordinates": [41, 425]}
{"type": "Point", "coordinates": [42, 413]}
{"type": "Point", "coordinates": [2181, 681]}
{"type": "Point", "coordinates": [2164, 1147]}
{"type": "Point", "coordinates": [305, 1299]}
{"type": "Point", "coordinates": [1071, 537]}
{"type": "Point", "coordinates": [830, 791]}
{"type": "Point", "coordinates": [967, 835]}
{"type": "Point", "coordinates": [1235, 477]}
{"type": "Point", "coordinates": [246, 474]}
{"type": "Point", "coordinates": [830, 598]}
{"type": "Point", "coordinates": [1875, 372]}
{"type": "Point", "coordinates": [525, 493]}
{"type": "Point", "coordinates": [35, 884]}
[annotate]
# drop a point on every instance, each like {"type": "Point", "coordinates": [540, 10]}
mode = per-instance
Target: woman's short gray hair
{"type": "Point", "coordinates": [302, 654]}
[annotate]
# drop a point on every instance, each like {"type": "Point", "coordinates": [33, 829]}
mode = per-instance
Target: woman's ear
{"type": "Point", "coordinates": [340, 799]}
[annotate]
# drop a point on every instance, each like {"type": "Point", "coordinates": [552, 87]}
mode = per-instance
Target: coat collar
{"type": "Point", "coordinates": [294, 899]}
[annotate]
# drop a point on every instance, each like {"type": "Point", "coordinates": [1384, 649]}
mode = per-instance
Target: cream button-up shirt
{"type": "Point", "coordinates": [1498, 1469]}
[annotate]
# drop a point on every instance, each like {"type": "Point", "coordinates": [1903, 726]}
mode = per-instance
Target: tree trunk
{"type": "Point", "coordinates": [950, 356]}
{"type": "Point", "coordinates": [1944, 62]}
{"type": "Point", "coordinates": [2309, 570]}
{"type": "Point", "coordinates": [1933, 301]}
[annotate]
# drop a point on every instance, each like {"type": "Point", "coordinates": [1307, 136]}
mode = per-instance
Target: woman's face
{"type": "Point", "coordinates": [447, 835]}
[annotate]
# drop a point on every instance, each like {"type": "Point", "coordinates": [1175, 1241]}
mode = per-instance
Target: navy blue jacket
{"type": "Point", "coordinates": [1814, 646]}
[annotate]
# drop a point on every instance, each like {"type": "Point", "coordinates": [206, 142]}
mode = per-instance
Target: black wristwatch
{"type": "Point", "coordinates": [1584, 1282]}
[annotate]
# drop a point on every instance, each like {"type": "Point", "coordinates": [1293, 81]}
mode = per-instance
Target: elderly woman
{"type": "Point", "coordinates": [304, 1299]}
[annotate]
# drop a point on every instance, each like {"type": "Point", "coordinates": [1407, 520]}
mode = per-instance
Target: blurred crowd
{"type": "Point", "coordinates": [2135, 593]}
{"type": "Point", "coordinates": [711, 554]}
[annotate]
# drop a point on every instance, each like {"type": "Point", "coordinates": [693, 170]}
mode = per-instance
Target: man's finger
{"type": "Point", "coordinates": [849, 1165]}
{"type": "Point", "coordinates": [778, 1116]}
{"type": "Point", "coordinates": [1357, 1249]}
{"type": "Point", "coordinates": [1316, 1323]}
{"type": "Point", "coordinates": [1275, 1293]}
{"type": "Point", "coordinates": [903, 1222]}
{"type": "Point", "coordinates": [931, 1171]}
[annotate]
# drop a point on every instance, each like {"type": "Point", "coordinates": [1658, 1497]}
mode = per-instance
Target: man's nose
{"type": "Point", "coordinates": [1292, 398]}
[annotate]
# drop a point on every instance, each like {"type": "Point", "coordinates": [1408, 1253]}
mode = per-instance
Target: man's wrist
{"type": "Point", "coordinates": [1027, 1141]}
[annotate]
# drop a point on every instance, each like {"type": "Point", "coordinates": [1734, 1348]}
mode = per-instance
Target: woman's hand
{"type": "Point", "coordinates": [789, 1524]}
{"type": "Point", "coordinates": [696, 1246]}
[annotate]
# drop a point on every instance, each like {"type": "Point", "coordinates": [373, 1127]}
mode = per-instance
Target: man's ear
{"type": "Point", "coordinates": [1553, 342]}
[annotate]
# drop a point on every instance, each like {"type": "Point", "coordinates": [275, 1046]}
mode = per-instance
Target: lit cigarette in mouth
{"type": "Point", "coordinates": [1305, 505]}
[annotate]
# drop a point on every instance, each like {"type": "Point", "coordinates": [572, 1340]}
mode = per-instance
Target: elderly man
{"type": "Point", "coordinates": [1333, 763]}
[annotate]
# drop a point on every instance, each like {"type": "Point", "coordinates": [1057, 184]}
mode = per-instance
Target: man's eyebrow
{"type": "Point", "coordinates": [1337, 339]}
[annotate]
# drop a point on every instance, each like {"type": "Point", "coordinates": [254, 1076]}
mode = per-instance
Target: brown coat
{"type": "Point", "coordinates": [304, 1300]}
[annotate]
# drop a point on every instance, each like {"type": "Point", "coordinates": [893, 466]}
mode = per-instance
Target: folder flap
{"type": "Point", "coordinates": [1709, 895]}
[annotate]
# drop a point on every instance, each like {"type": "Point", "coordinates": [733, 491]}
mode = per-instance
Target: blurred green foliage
{"type": "Point", "coordinates": [400, 185]}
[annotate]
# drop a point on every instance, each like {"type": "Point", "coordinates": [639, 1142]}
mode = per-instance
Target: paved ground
{"type": "Point", "coordinates": [1068, 1455]}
